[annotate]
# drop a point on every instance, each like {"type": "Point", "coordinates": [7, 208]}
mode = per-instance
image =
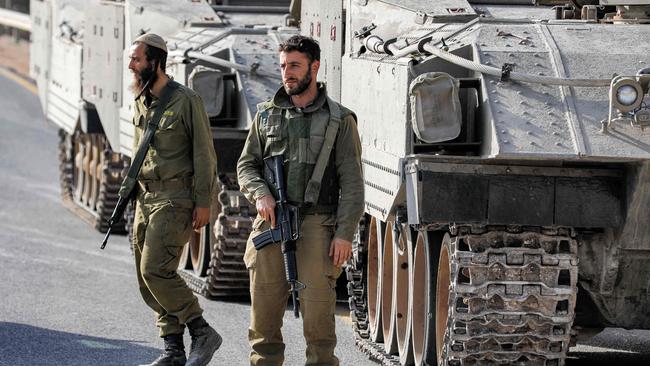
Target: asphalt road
{"type": "Point", "coordinates": [65, 302]}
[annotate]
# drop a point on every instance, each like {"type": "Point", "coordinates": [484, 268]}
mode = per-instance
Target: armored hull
{"type": "Point", "coordinates": [505, 172]}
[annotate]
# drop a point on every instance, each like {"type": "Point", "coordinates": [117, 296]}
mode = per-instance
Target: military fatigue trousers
{"type": "Point", "coordinates": [160, 231]}
{"type": "Point", "coordinates": [269, 294]}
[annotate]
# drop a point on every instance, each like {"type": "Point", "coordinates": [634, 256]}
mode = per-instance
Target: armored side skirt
{"type": "Point", "coordinates": [442, 191]}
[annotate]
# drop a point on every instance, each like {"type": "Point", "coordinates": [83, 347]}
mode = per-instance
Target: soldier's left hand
{"type": "Point", "coordinates": [200, 217]}
{"type": "Point", "coordinates": [340, 251]}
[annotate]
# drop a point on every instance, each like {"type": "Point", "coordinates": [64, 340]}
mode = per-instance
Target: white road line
{"type": "Point", "coordinates": [36, 236]}
{"type": "Point", "coordinates": [62, 262]}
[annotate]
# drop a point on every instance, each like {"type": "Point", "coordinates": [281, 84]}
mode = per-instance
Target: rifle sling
{"type": "Point", "coordinates": [152, 126]}
{"type": "Point", "coordinates": [313, 186]}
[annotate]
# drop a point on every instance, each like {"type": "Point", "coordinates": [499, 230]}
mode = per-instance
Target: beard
{"type": "Point", "coordinates": [140, 79]}
{"type": "Point", "coordinates": [303, 84]}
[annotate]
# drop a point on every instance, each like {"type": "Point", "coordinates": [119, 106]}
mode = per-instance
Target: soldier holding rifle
{"type": "Point", "coordinates": [318, 144]}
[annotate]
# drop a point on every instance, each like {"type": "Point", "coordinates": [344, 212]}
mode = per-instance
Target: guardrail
{"type": "Point", "coordinates": [14, 19]}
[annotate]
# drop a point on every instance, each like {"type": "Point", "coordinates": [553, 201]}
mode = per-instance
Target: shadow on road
{"type": "Point", "coordinates": [26, 345]}
{"type": "Point", "coordinates": [613, 346]}
{"type": "Point", "coordinates": [607, 359]}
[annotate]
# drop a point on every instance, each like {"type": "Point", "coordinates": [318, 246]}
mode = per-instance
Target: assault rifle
{"type": "Point", "coordinates": [129, 187]}
{"type": "Point", "coordinates": [287, 228]}
{"type": "Point", "coordinates": [118, 213]}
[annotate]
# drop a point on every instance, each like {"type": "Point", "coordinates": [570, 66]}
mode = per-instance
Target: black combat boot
{"type": "Point", "coordinates": [205, 342]}
{"type": "Point", "coordinates": [174, 354]}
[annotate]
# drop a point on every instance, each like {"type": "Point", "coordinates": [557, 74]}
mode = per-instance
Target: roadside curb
{"type": "Point", "coordinates": [24, 80]}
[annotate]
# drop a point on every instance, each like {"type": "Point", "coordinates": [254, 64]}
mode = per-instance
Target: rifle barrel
{"type": "Point", "coordinates": [108, 233]}
{"type": "Point", "coordinates": [294, 298]}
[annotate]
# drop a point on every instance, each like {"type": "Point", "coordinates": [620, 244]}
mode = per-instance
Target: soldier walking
{"type": "Point", "coordinates": [294, 124]}
{"type": "Point", "coordinates": [175, 185]}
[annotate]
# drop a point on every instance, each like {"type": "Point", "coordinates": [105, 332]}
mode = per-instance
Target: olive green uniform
{"type": "Point", "coordinates": [178, 174]}
{"type": "Point", "coordinates": [298, 134]}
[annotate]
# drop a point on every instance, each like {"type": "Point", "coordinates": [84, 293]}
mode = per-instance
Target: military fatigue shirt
{"type": "Point", "coordinates": [286, 136]}
{"type": "Point", "coordinates": [182, 146]}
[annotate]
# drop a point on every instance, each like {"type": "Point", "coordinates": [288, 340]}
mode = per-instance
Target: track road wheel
{"type": "Point", "coordinates": [364, 286]}
{"type": "Point", "coordinates": [422, 295]}
{"type": "Point", "coordinates": [80, 152]}
{"type": "Point", "coordinates": [374, 283]}
{"type": "Point", "coordinates": [185, 262]}
{"type": "Point", "coordinates": [402, 258]}
{"type": "Point", "coordinates": [90, 177]}
{"type": "Point", "coordinates": [194, 257]}
{"type": "Point", "coordinates": [198, 250]}
{"type": "Point", "coordinates": [388, 311]}
{"type": "Point", "coordinates": [443, 287]}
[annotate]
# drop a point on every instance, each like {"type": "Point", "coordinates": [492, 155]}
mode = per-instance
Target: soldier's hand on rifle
{"type": "Point", "coordinates": [200, 217]}
{"type": "Point", "coordinates": [266, 208]}
{"type": "Point", "coordinates": [340, 251]}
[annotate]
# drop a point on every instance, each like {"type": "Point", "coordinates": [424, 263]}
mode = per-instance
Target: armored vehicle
{"type": "Point", "coordinates": [505, 160]}
{"type": "Point", "coordinates": [225, 52]}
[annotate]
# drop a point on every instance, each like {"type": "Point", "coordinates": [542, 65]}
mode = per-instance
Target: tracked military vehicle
{"type": "Point", "coordinates": [505, 159]}
{"type": "Point", "coordinates": [225, 52]}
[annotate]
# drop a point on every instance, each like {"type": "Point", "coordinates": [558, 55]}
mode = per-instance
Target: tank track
{"type": "Point", "coordinates": [516, 304]}
{"type": "Point", "coordinates": [227, 275]}
{"type": "Point", "coordinates": [66, 165]}
{"type": "Point", "coordinates": [518, 308]}
{"type": "Point", "coordinates": [357, 292]}
{"type": "Point", "coordinates": [357, 277]}
{"type": "Point", "coordinates": [110, 185]}
{"type": "Point", "coordinates": [108, 193]}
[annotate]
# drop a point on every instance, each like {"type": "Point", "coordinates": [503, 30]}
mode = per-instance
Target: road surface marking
{"type": "Point", "coordinates": [19, 80]}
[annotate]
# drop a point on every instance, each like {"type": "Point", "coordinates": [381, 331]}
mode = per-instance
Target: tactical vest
{"type": "Point", "coordinates": [307, 143]}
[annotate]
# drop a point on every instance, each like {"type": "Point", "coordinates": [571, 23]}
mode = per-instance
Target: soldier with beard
{"type": "Point", "coordinates": [175, 186]}
{"type": "Point", "coordinates": [294, 124]}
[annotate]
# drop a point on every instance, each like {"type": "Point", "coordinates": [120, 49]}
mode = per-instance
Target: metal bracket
{"type": "Point", "coordinates": [641, 118]}
{"type": "Point", "coordinates": [421, 18]}
{"type": "Point", "coordinates": [443, 45]}
{"type": "Point", "coordinates": [505, 71]}
{"type": "Point", "coordinates": [254, 67]}
{"type": "Point", "coordinates": [365, 31]}
{"type": "Point", "coordinates": [401, 218]}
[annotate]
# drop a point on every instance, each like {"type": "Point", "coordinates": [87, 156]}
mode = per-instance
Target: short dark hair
{"type": "Point", "coordinates": [156, 54]}
{"type": "Point", "coordinates": [304, 44]}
